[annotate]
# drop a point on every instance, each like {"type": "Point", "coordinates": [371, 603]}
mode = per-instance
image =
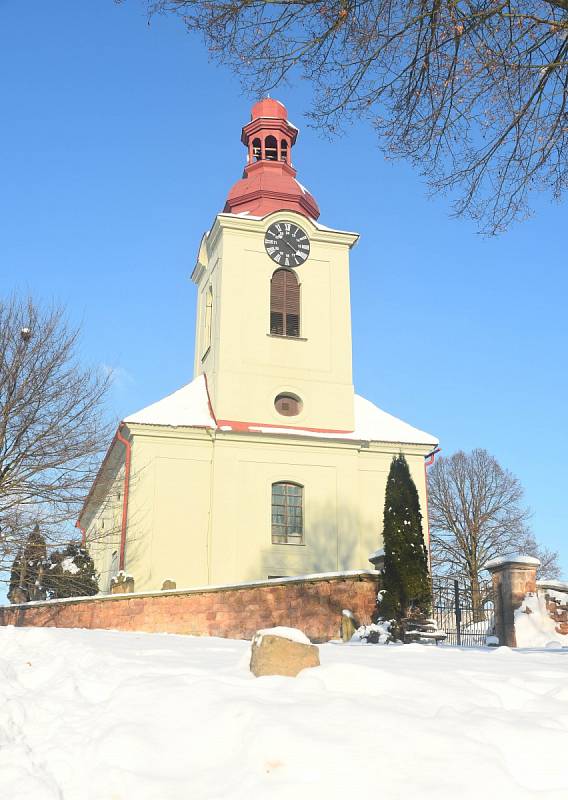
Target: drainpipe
{"type": "Point", "coordinates": [125, 492]}
{"type": "Point", "coordinates": [429, 458]}
{"type": "Point", "coordinates": [428, 461]}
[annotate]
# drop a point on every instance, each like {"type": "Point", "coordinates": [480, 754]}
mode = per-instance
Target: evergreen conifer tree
{"type": "Point", "coordinates": [70, 573]}
{"type": "Point", "coordinates": [406, 578]}
{"type": "Point", "coordinates": [14, 590]}
{"type": "Point", "coordinates": [33, 566]}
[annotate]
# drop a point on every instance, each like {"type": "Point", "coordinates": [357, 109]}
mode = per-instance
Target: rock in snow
{"type": "Point", "coordinates": [282, 651]}
{"type": "Point", "coordinates": [95, 715]}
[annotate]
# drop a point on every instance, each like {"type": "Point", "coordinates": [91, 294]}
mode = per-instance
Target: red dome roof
{"type": "Point", "coordinates": [269, 108]}
{"type": "Point", "coordinates": [269, 179]}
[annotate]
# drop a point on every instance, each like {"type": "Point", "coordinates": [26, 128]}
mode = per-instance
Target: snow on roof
{"type": "Point", "coordinates": [372, 424]}
{"type": "Point", "coordinates": [375, 425]}
{"type": "Point", "coordinates": [189, 408]}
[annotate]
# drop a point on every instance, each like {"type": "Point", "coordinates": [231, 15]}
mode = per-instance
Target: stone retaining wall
{"type": "Point", "coordinates": [312, 603]}
{"type": "Point", "coordinates": [556, 597]}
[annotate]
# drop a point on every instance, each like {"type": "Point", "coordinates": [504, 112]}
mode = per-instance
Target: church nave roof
{"type": "Point", "coordinates": [189, 407]}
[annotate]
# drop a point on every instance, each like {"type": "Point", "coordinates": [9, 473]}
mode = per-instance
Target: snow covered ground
{"type": "Point", "coordinates": [101, 715]}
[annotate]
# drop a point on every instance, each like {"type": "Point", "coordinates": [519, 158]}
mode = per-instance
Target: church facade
{"type": "Point", "coordinates": [267, 464]}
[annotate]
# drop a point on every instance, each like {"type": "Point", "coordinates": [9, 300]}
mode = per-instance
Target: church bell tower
{"type": "Point", "coordinates": [273, 333]}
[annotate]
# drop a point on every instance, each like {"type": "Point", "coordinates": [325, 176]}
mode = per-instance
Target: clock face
{"type": "Point", "coordinates": [287, 244]}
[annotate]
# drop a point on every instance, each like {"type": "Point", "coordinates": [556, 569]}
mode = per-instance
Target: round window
{"type": "Point", "coordinates": [288, 405]}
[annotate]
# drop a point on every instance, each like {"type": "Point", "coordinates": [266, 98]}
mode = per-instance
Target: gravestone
{"type": "Point", "coordinates": [122, 584]}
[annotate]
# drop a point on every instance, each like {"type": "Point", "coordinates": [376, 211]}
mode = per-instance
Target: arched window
{"type": "Point", "coordinates": [208, 320]}
{"type": "Point", "coordinates": [270, 149]}
{"type": "Point", "coordinates": [287, 513]}
{"type": "Point", "coordinates": [256, 150]}
{"type": "Point", "coordinates": [284, 150]}
{"type": "Point", "coordinates": [284, 303]}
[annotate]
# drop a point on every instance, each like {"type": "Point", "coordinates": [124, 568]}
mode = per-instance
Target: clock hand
{"type": "Point", "coordinates": [287, 243]}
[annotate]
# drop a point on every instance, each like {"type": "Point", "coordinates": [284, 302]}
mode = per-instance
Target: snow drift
{"type": "Point", "coordinates": [95, 715]}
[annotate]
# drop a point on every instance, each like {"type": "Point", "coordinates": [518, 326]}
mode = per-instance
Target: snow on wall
{"type": "Point", "coordinates": [560, 587]}
{"type": "Point", "coordinates": [537, 624]}
{"type": "Point", "coordinates": [512, 559]}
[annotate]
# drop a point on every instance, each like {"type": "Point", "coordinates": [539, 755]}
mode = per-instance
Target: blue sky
{"type": "Point", "coordinates": [119, 142]}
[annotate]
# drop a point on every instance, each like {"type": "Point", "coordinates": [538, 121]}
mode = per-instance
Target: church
{"type": "Point", "coordinates": [267, 464]}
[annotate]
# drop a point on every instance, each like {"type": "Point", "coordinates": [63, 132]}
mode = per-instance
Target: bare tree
{"type": "Point", "coordinates": [476, 513]}
{"type": "Point", "coordinates": [52, 426]}
{"type": "Point", "coordinates": [549, 559]}
{"type": "Point", "coordinates": [473, 93]}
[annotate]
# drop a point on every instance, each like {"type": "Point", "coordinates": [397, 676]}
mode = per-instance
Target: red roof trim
{"type": "Point", "coordinates": [209, 403]}
{"type": "Point", "coordinates": [253, 427]}
{"type": "Point", "coordinates": [250, 426]}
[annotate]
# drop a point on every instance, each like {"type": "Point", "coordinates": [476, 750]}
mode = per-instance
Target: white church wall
{"type": "Point", "coordinates": [168, 521]}
{"type": "Point", "coordinates": [200, 520]}
{"type": "Point", "coordinates": [103, 515]}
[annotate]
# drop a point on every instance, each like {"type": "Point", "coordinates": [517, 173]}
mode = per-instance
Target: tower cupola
{"type": "Point", "coordinates": [269, 179]}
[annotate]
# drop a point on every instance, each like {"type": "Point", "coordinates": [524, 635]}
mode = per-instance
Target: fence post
{"type": "Point", "coordinates": [513, 578]}
{"type": "Point", "coordinates": [458, 612]}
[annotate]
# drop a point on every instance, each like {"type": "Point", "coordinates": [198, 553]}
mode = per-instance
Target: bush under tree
{"type": "Point", "coordinates": [70, 572]}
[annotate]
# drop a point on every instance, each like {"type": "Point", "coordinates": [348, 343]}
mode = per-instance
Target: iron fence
{"type": "Point", "coordinates": [454, 612]}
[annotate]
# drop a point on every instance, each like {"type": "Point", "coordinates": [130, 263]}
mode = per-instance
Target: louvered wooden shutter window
{"type": "Point", "coordinates": [284, 304]}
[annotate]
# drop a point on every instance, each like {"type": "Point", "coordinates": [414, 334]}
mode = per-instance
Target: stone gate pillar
{"type": "Point", "coordinates": [513, 578]}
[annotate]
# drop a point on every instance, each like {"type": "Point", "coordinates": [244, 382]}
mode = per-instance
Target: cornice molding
{"type": "Point", "coordinates": [317, 233]}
